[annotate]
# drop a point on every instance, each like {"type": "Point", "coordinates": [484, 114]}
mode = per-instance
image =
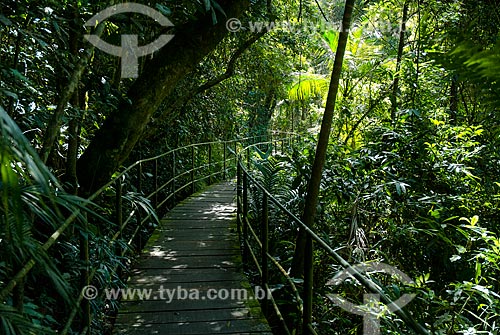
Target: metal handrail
{"type": "Point", "coordinates": [244, 179]}
{"type": "Point", "coordinates": [116, 179]}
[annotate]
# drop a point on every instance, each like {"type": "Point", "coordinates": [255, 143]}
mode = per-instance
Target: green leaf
{"type": "Point", "coordinates": [214, 16]}
{"type": "Point", "coordinates": [218, 8]}
{"type": "Point", "coordinates": [5, 20]}
{"type": "Point", "coordinates": [308, 86]}
{"type": "Point", "coordinates": [400, 187]}
{"type": "Point", "coordinates": [9, 94]}
{"type": "Point", "coordinates": [478, 272]}
{"type": "Point", "coordinates": [19, 75]}
{"type": "Point", "coordinates": [331, 37]}
{"type": "Point", "coordinates": [207, 5]}
{"type": "Point", "coordinates": [163, 9]}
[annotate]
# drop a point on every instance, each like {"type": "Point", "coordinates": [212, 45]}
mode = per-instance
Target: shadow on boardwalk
{"type": "Point", "coordinates": [189, 275]}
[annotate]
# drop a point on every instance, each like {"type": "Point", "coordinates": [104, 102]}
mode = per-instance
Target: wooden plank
{"type": "Point", "coordinates": [222, 314]}
{"type": "Point", "coordinates": [199, 327]}
{"type": "Point", "coordinates": [140, 306]}
{"type": "Point", "coordinates": [209, 204]}
{"type": "Point", "coordinates": [165, 276]}
{"type": "Point", "coordinates": [201, 286]}
{"type": "Point", "coordinates": [192, 244]}
{"type": "Point", "coordinates": [194, 251]}
{"type": "Point", "coordinates": [201, 218]}
{"type": "Point", "coordinates": [198, 232]}
{"type": "Point", "coordinates": [204, 236]}
{"type": "Point", "coordinates": [166, 240]}
{"type": "Point", "coordinates": [221, 209]}
{"type": "Point", "coordinates": [201, 215]}
{"type": "Point", "coordinates": [205, 262]}
{"type": "Point", "coordinates": [185, 224]}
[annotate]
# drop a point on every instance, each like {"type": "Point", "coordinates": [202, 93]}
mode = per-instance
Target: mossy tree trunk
{"type": "Point", "coordinates": [122, 129]}
{"type": "Point", "coordinates": [313, 187]}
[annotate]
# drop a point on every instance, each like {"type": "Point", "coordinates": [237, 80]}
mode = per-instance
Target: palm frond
{"type": "Point", "coordinates": [307, 87]}
{"type": "Point", "coordinates": [32, 205]}
{"type": "Point", "coordinates": [13, 323]}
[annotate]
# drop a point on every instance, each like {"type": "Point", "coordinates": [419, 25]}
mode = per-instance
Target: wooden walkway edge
{"type": "Point", "coordinates": [189, 266]}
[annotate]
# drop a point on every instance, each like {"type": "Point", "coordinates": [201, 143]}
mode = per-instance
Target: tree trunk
{"type": "Point", "coordinates": [74, 123]}
{"type": "Point", "coordinates": [155, 127]}
{"type": "Point", "coordinates": [395, 85]}
{"type": "Point", "coordinates": [454, 100]}
{"type": "Point", "coordinates": [313, 187]}
{"type": "Point", "coordinates": [264, 114]}
{"type": "Point", "coordinates": [15, 62]}
{"type": "Point", "coordinates": [114, 141]}
{"type": "Point", "coordinates": [54, 125]}
{"type": "Point", "coordinates": [72, 154]}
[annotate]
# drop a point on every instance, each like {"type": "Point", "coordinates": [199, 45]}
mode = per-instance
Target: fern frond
{"type": "Point", "coordinates": [308, 86]}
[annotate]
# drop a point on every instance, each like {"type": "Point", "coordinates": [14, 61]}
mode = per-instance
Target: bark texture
{"type": "Point", "coordinates": [397, 76]}
{"type": "Point", "coordinates": [154, 128]}
{"type": "Point", "coordinates": [122, 129]}
{"type": "Point", "coordinates": [313, 187]}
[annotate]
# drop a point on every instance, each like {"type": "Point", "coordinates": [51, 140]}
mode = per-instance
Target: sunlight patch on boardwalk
{"type": "Point", "coordinates": [189, 279]}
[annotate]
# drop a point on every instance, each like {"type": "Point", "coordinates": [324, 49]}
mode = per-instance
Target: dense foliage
{"type": "Point", "coordinates": [412, 170]}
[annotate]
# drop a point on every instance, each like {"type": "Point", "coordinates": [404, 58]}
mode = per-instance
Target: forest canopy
{"type": "Point", "coordinates": [411, 173]}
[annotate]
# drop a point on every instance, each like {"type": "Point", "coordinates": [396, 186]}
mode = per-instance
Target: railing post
{"type": "Point", "coordinates": [18, 295]}
{"type": "Point", "coordinates": [155, 181]}
{"type": "Point", "coordinates": [224, 172]}
{"type": "Point", "coordinates": [138, 216]}
{"type": "Point", "coordinates": [239, 199]}
{"type": "Point", "coordinates": [210, 164]}
{"type": "Point", "coordinates": [235, 153]}
{"type": "Point", "coordinates": [139, 178]}
{"type": "Point", "coordinates": [174, 191]}
{"type": "Point", "coordinates": [244, 217]}
{"type": "Point", "coordinates": [265, 247]}
{"type": "Point", "coordinates": [119, 208]}
{"type": "Point", "coordinates": [192, 170]}
{"type": "Point", "coordinates": [248, 158]}
{"type": "Point", "coordinates": [85, 280]}
{"type": "Point", "coordinates": [308, 285]}
{"type": "Point", "coordinates": [273, 146]}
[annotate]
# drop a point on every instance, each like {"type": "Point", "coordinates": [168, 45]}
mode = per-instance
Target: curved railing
{"type": "Point", "coordinates": [262, 258]}
{"type": "Point", "coordinates": [162, 180]}
{"type": "Point", "coordinates": [175, 174]}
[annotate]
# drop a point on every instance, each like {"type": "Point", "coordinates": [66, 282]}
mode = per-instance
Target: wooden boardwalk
{"type": "Point", "coordinates": [193, 252]}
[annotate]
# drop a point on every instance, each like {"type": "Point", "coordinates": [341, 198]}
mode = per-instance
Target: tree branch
{"type": "Point", "coordinates": [182, 101]}
{"type": "Point", "coordinates": [55, 121]}
{"type": "Point", "coordinates": [120, 132]}
{"type": "Point", "coordinates": [381, 97]}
